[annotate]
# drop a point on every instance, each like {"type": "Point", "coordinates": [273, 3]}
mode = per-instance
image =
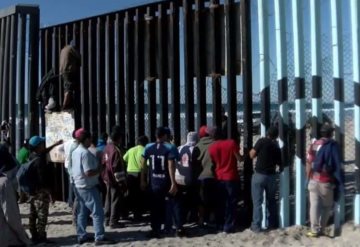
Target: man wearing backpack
{"type": "Point", "coordinates": [40, 176]}
{"type": "Point", "coordinates": [326, 178]}
{"type": "Point", "coordinates": [185, 176]}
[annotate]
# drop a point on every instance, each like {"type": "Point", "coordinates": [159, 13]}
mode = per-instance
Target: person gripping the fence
{"type": "Point", "coordinates": [326, 178]}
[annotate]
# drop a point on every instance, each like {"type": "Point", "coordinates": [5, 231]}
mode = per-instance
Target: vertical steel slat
{"type": "Point", "coordinates": [162, 64]}
{"type": "Point", "coordinates": [189, 65]}
{"type": "Point", "coordinates": [339, 113]}
{"type": "Point", "coordinates": [84, 76]}
{"type": "Point", "coordinates": [264, 66]}
{"type": "Point", "coordinates": [119, 71]}
{"type": "Point", "coordinates": [12, 79]}
{"type": "Point", "coordinates": [200, 63]}
{"type": "Point", "coordinates": [150, 63]}
{"type": "Point", "coordinates": [33, 67]}
{"type": "Point", "coordinates": [5, 75]}
{"type": "Point", "coordinates": [2, 51]}
{"type": "Point", "coordinates": [297, 20]}
{"type": "Point", "coordinates": [230, 30]}
{"type": "Point", "coordinates": [174, 60]}
{"type": "Point", "coordinates": [215, 57]}
{"type": "Point", "coordinates": [20, 70]}
{"type": "Point", "coordinates": [77, 96]}
{"type": "Point", "coordinates": [92, 75]}
{"type": "Point", "coordinates": [129, 78]}
{"type": "Point", "coordinates": [139, 69]}
{"type": "Point", "coordinates": [316, 81]}
{"type": "Point", "coordinates": [281, 51]}
{"type": "Point", "coordinates": [246, 66]}
{"type": "Point", "coordinates": [100, 76]}
{"type": "Point", "coordinates": [109, 73]}
{"type": "Point", "coordinates": [60, 34]}
{"type": "Point", "coordinates": [42, 73]}
{"type": "Point", "coordinates": [355, 28]}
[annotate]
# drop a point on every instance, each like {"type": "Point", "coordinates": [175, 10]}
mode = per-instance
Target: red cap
{"type": "Point", "coordinates": [203, 131]}
{"type": "Point", "coordinates": [78, 132]}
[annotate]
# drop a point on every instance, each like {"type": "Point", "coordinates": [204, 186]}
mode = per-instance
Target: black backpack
{"type": "Point", "coordinates": [26, 180]}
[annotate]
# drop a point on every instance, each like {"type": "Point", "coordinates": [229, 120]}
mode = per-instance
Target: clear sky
{"type": "Point", "coordinates": [59, 11]}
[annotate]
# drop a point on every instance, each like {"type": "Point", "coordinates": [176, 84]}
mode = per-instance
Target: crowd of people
{"type": "Point", "coordinates": [198, 181]}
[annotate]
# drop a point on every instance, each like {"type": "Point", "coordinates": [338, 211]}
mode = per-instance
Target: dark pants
{"type": "Point", "coordinates": [181, 205]}
{"type": "Point", "coordinates": [228, 192]}
{"type": "Point", "coordinates": [112, 204]}
{"type": "Point", "coordinates": [135, 197]}
{"type": "Point", "coordinates": [264, 183]}
{"type": "Point", "coordinates": [158, 209]}
{"type": "Point", "coordinates": [208, 189]}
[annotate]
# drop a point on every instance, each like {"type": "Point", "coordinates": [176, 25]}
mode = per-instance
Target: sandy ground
{"type": "Point", "coordinates": [61, 231]}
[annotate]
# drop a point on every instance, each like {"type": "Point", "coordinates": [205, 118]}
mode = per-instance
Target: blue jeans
{"type": "Point", "coordinates": [259, 184]}
{"type": "Point", "coordinates": [89, 201]}
{"type": "Point", "coordinates": [228, 192]}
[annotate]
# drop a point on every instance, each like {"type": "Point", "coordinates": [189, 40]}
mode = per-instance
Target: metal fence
{"type": "Point", "coordinates": [131, 65]}
{"type": "Point", "coordinates": [19, 50]}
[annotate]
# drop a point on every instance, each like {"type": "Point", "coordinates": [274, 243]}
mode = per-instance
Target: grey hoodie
{"type": "Point", "coordinates": [201, 155]}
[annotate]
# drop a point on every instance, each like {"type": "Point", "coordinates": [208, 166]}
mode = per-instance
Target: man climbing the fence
{"type": "Point", "coordinates": [70, 62]}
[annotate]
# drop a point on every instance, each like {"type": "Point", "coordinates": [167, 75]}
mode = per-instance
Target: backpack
{"type": "Point", "coordinates": [323, 160]}
{"type": "Point", "coordinates": [184, 168]}
{"type": "Point", "coordinates": [25, 179]}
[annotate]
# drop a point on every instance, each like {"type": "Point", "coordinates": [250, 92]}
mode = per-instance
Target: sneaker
{"type": "Point", "coordinates": [312, 234]}
{"type": "Point", "coordinates": [104, 241]}
{"type": "Point", "coordinates": [51, 104]}
{"type": "Point", "coordinates": [86, 240]}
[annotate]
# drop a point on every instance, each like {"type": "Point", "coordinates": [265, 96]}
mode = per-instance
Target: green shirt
{"type": "Point", "coordinates": [133, 158]}
{"type": "Point", "coordinates": [23, 155]}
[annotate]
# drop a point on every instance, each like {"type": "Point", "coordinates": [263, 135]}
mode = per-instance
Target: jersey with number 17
{"type": "Point", "coordinates": [158, 154]}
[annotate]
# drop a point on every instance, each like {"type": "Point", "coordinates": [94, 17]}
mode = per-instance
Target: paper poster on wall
{"type": "Point", "coordinates": [58, 126]}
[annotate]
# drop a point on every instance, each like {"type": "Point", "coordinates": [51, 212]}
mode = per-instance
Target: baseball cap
{"type": "Point", "coordinates": [203, 131]}
{"type": "Point", "coordinates": [78, 133]}
{"type": "Point", "coordinates": [36, 141]}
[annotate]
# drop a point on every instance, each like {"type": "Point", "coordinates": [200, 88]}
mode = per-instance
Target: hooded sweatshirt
{"type": "Point", "coordinates": [201, 155]}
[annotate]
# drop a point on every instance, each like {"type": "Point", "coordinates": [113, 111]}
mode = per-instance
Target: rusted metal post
{"type": "Point", "coordinates": [129, 78]}
{"type": "Point", "coordinates": [248, 108]}
{"type": "Point", "coordinates": [173, 58]}
{"type": "Point", "coordinates": [92, 75]}
{"type": "Point", "coordinates": [12, 78]}
{"type": "Point", "coordinates": [162, 64]}
{"type": "Point", "coordinates": [100, 76]}
{"type": "Point", "coordinates": [84, 76]}
{"type": "Point", "coordinates": [109, 73]}
{"type": "Point", "coordinates": [5, 74]}
{"type": "Point", "coordinates": [189, 65]}
{"type": "Point", "coordinates": [33, 70]}
{"type": "Point", "coordinates": [119, 70]}
{"type": "Point", "coordinates": [200, 63]}
{"type": "Point", "coordinates": [139, 69]}
{"type": "Point", "coordinates": [230, 32]}
{"type": "Point", "coordinates": [150, 63]}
